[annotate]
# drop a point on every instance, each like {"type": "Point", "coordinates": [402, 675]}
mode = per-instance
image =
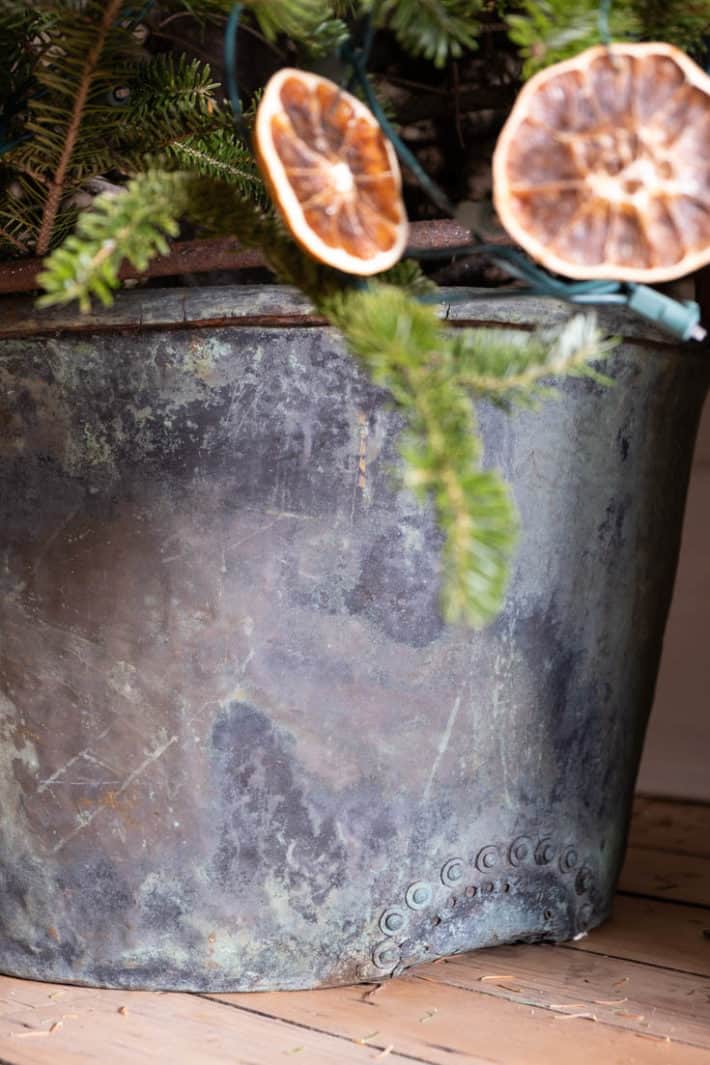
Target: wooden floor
{"type": "Point", "coordinates": [633, 992]}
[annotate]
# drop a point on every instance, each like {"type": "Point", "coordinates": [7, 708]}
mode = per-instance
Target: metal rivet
{"type": "Point", "coordinates": [487, 858]}
{"type": "Point", "coordinates": [521, 850]}
{"type": "Point", "coordinates": [385, 955]}
{"type": "Point", "coordinates": [568, 860]}
{"type": "Point", "coordinates": [585, 880]}
{"type": "Point", "coordinates": [418, 895]}
{"type": "Point", "coordinates": [392, 921]}
{"type": "Point", "coordinates": [488, 887]}
{"type": "Point", "coordinates": [584, 916]}
{"type": "Point", "coordinates": [544, 852]}
{"type": "Point", "coordinates": [471, 890]}
{"type": "Point", "coordinates": [452, 872]}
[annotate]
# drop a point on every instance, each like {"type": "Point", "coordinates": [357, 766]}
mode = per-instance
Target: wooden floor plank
{"type": "Point", "coordinates": [664, 825]}
{"type": "Point", "coordinates": [156, 1029]}
{"type": "Point", "coordinates": [641, 998]}
{"type": "Point", "coordinates": [445, 1024]}
{"type": "Point", "coordinates": [665, 875]}
{"type": "Point", "coordinates": [657, 933]}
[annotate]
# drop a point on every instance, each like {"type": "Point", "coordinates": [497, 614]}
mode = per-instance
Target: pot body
{"type": "Point", "coordinates": [240, 749]}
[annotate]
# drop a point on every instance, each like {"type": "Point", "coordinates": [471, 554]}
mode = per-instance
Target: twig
{"type": "Point", "coordinates": [56, 189]}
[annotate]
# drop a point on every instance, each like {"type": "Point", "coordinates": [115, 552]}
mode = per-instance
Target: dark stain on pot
{"type": "Point", "coordinates": [611, 529]}
{"type": "Point", "coordinates": [623, 442]}
{"type": "Point", "coordinates": [398, 589]}
{"type": "Point", "coordinates": [272, 820]}
{"type": "Point", "coordinates": [100, 888]}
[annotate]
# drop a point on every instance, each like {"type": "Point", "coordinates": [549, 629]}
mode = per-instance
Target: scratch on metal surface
{"type": "Point", "coordinates": [443, 744]}
{"type": "Point", "coordinates": [44, 784]}
{"type": "Point", "coordinates": [53, 536]}
{"type": "Point", "coordinates": [86, 819]}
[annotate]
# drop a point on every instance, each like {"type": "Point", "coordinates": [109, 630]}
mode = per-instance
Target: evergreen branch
{"type": "Point", "coordinates": [170, 88]}
{"type": "Point", "coordinates": [56, 189]}
{"type": "Point", "coordinates": [685, 23]}
{"type": "Point", "coordinates": [434, 29]}
{"type": "Point", "coordinates": [219, 155]}
{"type": "Point", "coordinates": [132, 225]}
{"type": "Point", "coordinates": [505, 365]}
{"type": "Point", "coordinates": [551, 30]}
{"type": "Point", "coordinates": [301, 20]}
{"type": "Point", "coordinates": [406, 350]}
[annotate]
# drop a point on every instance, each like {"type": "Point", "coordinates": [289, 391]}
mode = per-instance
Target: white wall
{"type": "Point", "coordinates": [676, 759]}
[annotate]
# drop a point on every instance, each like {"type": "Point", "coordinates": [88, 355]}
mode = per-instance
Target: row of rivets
{"type": "Point", "coordinates": [420, 894]}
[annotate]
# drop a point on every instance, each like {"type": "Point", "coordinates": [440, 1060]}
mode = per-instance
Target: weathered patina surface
{"type": "Point", "coordinates": [240, 750]}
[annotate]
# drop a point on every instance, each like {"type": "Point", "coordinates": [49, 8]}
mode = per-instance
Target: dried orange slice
{"type": "Point", "coordinates": [331, 172]}
{"type": "Point", "coordinates": [603, 167]}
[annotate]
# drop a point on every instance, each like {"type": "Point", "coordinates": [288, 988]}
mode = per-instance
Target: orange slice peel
{"type": "Point", "coordinates": [331, 172]}
{"type": "Point", "coordinates": [602, 170]}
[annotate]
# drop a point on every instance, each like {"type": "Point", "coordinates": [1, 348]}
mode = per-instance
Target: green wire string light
{"type": "Point", "coordinates": [603, 21]}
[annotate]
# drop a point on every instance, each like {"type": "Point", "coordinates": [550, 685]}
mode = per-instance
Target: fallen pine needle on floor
{"type": "Point", "coordinates": [385, 1053]}
{"type": "Point", "coordinates": [497, 976]}
{"type": "Point", "coordinates": [28, 1035]}
{"type": "Point", "coordinates": [428, 1016]}
{"type": "Point", "coordinates": [575, 1017]}
{"type": "Point", "coordinates": [366, 1038]}
{"type": "Point", "coordinates": [610, 1001]}
{"type": "Point", "coordinates": [567, 1005]}
{"type": "Point", "coordinates": [57, 1026]}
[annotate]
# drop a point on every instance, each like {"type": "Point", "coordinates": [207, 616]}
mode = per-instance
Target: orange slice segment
{"type": "Point", "coordinates": [603, 167]}
{"type": "Point", "coordinates": [331, 172]}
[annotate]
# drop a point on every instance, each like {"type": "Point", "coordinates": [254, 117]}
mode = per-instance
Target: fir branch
{"type": "Point", "coordinates": [406, 350]}
{"type": "Point", "coordinates": [56, 190]}
{"type": "Point", "coordinates": [131, 225]}
{"type": "Point", "coordinates": [506, 365]}
{"type": "Point", "coordinates": [217, 154]}
{"type": "Point", "coordinates": [301, 20]}
{"type": "Point", "coordinates": [685, 23]}
{"type": "Point", "coordinates": [169, 89]}
{"type": "Point", "coordinates": [551, 30]}
{"type": "Point", "coordinates": [435, 29]}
